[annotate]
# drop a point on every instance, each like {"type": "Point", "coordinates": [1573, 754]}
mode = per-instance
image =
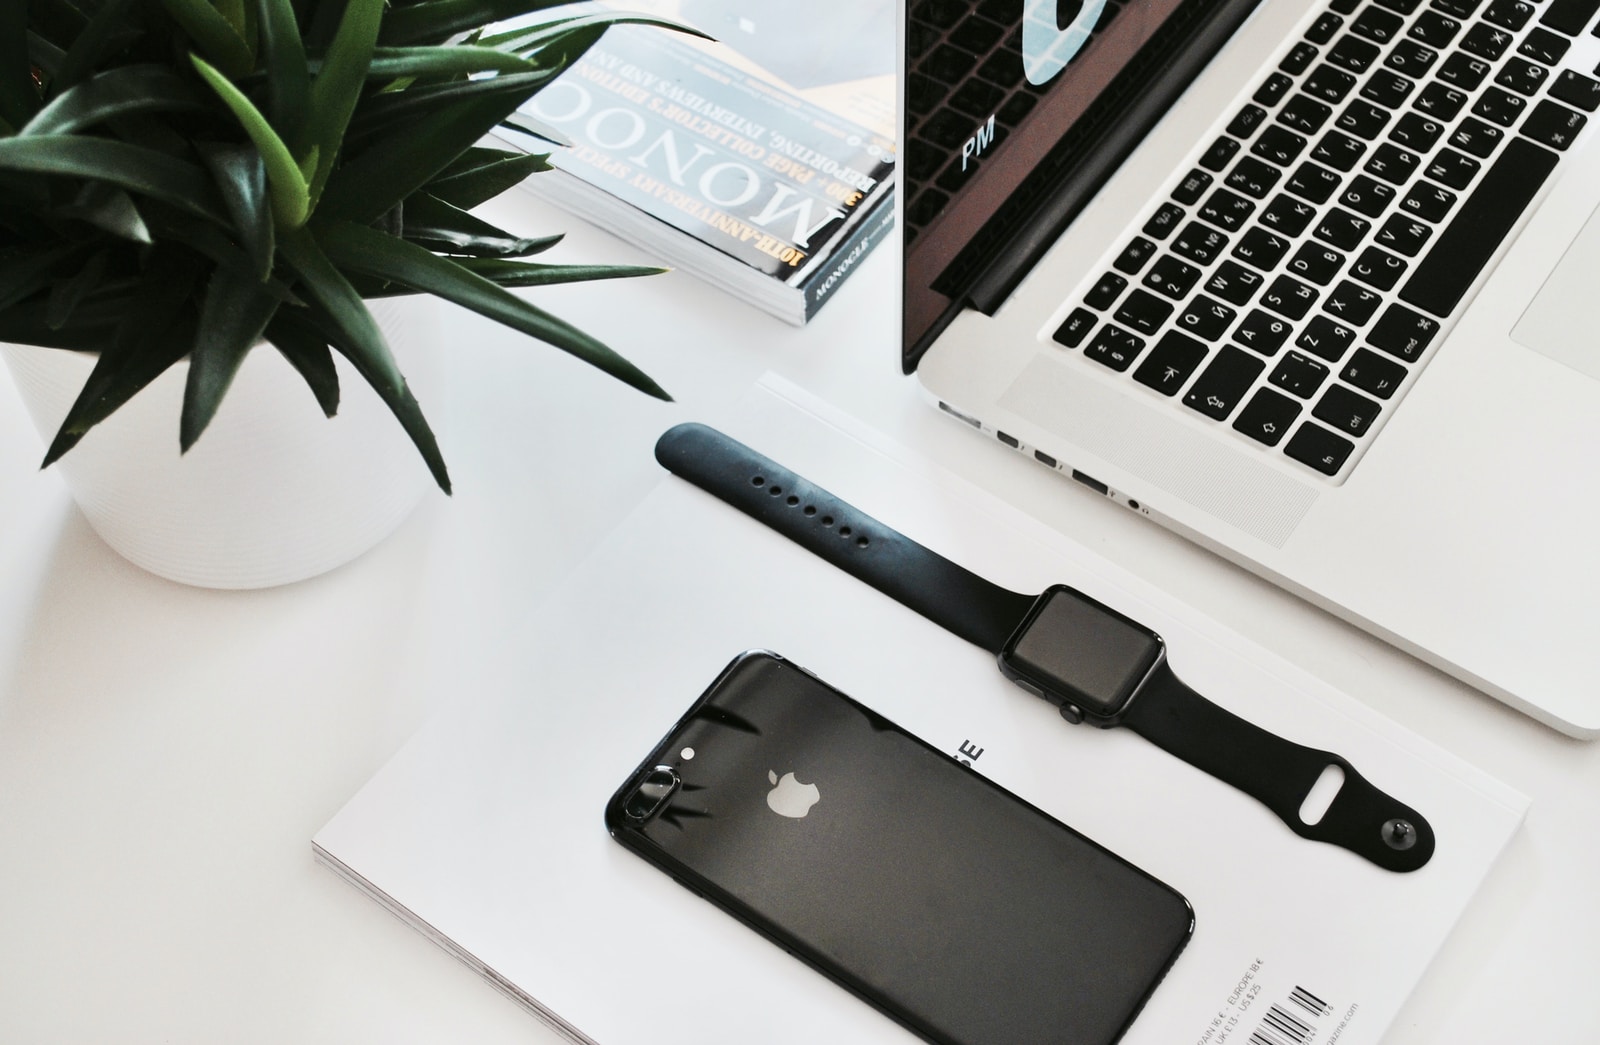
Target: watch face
{"type": "Point", "coordinates": [1082, 653]}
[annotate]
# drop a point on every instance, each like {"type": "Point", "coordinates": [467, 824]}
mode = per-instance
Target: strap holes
{"type": "Point", "coordinates": [757, 480]}
{"type": "Point", "coordinates": [827, 520]}
{"type": "Point", "coordinates": [775, 489]}
{"type": "Point", "coordinates": [1321, 795]}
{"type": "Point", "coordinates": [861, 542]}
{"type": "Point", "coordinates": [844, 531]}
{"type": "Point", "coordinates": [793, 500]}
{"type": "Point", "coordinates": [810, 509]}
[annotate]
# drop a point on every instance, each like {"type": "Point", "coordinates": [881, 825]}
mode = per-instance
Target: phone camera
{"type": "Point", "coordinates": [652, 791]}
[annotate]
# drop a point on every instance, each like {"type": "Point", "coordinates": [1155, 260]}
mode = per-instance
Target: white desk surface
{"type": "Point", "coordinates": [166, 753]}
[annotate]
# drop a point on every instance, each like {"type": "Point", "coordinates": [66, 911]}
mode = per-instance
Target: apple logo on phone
{"type": "Point", "coordinates": [789, 797]}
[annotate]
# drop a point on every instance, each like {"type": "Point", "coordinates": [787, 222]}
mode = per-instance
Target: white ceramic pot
{"type": "Point", "coordinates": [273, 491]}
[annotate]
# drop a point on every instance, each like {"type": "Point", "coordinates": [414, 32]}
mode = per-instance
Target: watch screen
{"type": "Point", "coordinates": [1084, 652]}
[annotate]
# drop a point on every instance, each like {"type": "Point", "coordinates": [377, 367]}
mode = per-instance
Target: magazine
{"type": "Point", "coordinates": [761, 160]}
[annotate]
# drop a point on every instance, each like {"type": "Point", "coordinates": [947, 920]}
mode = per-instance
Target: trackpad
{"type": "Point", "coordinates": [1563, 319]}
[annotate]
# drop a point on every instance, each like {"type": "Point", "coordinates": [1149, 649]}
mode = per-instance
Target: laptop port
{"type": "Point", "coordinates": [1091, 482]}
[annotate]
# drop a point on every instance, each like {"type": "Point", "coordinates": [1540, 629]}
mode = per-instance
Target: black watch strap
{"type": "Point", "coordinates": [1277, 772]}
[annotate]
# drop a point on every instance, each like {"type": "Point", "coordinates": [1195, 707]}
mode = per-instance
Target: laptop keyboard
{"type": "Point", "coordinates": [1305, 263]}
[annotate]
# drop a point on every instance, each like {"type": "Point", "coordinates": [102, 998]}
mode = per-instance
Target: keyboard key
{"type": "Point", "coordinates": [1569, 16]}
{"type": "Point", "coordinates": [1354, 54]}
{"type": "Point", "coordinates": [1352, 303]}
{"type": "Point", "coordinates": [1075, 327]}
{"type": "Point", "coordinates": [1553, 125]}
{"type": "Point", "coordinates": [1377, 25]}
{"type": "Point", "coordinates": [1453, 169]}
{"type": "Point", "coordinates": [1288, 296]}
{"type": "Point", "coordinates": [1400, 7]}
{"type": "Point", "coordinates": [1463, 70]}
{"type": "Point", "coordinates": [1316, 447]}
{"type": "Point", "coordinates": [1192, 187]}
{"type": "Point", "coordinates": [1205, 318]}
{"type": "Point", "coordinates": [1475, 136]}
{"type": "Point", "coordinates": [1114, 347]}
{"type": "Point", "coordinates": [1172, 277]}
{"type": "Point", "coordinates": [1501, 107]}
{"type": "Point", "coordinates": [1403, 333]}
{"type": "Point", "coordinates": [1404, 235]}
{"type": "Point", "coordinates": [1105, 292]}
{"type": "Point", "coordinates": [1249, 118]}
{"type": "Point", "coordinates": [1346, 411]}
{"type": "Point", "coordinates": [1486, 42]}
{"type": "Point", "coordinates": [1133, 257]}
{"type": "Point", "coordinates": [1339, 151]}
{"type": "Point", "coordinates": [1234, 283]}
{"type": "Point", "coordinates": [1367, 196]}
{"type": "Point", "coordinates": [1163, 221]}
{"type": "Point", "coordinates": [1416, 132]}
{"type": "Point", "coordinates": [1273, 90]}
{"type": "Point", "coordinates": [1411, 58]}
{"type": "Point", "coordinates": [1388, 88]}
{"type": "Point", "coordinates": [1461, 9]}
{"type": "Point", "coordinates": [1373, 374]}
{"type": "Point", "coordinates": [1392, 163]}
{"type": "Point", "coordinates": [1227, 210]}
{"type": "Point", "coordinates": [1261, 248]}
{"type": "Point", "coordinates": [1278, 145]}
{"type": "Point", "coordinates": [1323, 30]}
{"type": "Point", "coordinates": [1328, 84]}
{"type": "Point", "coordinates": [1576, 89]}
{"type": "Point", "coordinates": [1363, 119]}
{"type": "Point", "coordinates": [1508, 14]}
{"type": "Point", "coordinates": [1199, 243]}
{"type": "Point", "coordinates": [1441, 102]}
{"type": "Point", "coordinates": [1221, 152]}
{"type": "Point", "coordinates": [1267, 417]}
{"type": "Point", "coordinates": [1323, 337]}
{"type": "Point", "coordinates": [1170, 363]}
{"type": "Point", "coordinates": [1144, 312]}
{"type": "Point", "coordinates": [1288, 215]}
{"type": "Point", "coordinates": [1223, 382]}
{"type": "Point", "coordinates": [1305, 114]}
{"type": "Point", "coordinates": [1262, 332]}
{"type": "Point", "coordinates": [1342, 229]}
{"type": "Point", "coordinates": [1434, 28]}
{"type": "Point", "coordinates": [1378, 268]}
{"type": "Point", "coordinates": [1474, 234]}
{"type": "Point", "coordinates": [1427, 201]}
{"type": "Point", "coordinates": [1312, 182]}
{"type": "Point", "coordinates": [1299, 58]}
{"type": "Point", "coordinates": [1316, 263]}
{"type": "Point", "coordinates": [1543, 46]}
{"type": "Point", "coordinates": [1299, 374]}
{"type": "Point", "coordinates": [1522, 76]}
{"type": "Point", "coordinates": [1253, 177]}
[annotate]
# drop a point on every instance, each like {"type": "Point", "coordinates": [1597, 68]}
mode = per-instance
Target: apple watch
{"type": "Point", "coordinates": [1098, 666]}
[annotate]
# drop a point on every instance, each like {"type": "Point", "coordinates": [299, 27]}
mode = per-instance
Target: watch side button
{"type": "Point", "coordinates": [1072, 713]}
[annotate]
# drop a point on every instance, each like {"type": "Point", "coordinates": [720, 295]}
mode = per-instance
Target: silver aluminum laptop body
{"type": "Point", "coordinates": [1460, 529]}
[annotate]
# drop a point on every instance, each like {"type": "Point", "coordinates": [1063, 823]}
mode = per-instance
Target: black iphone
{"type": "Point", "coordinates": [955, 907]}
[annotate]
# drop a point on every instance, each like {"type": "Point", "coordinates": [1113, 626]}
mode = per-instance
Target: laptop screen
{"type": "Point", "coordinates": [1015, 112]}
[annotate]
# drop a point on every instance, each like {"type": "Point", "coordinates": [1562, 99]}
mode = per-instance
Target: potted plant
{"type": "Point", "coordinates": [182, 181]}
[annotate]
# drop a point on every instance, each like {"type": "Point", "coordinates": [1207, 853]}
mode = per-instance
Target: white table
{"type": "Point", "coordinates": [166, 753]}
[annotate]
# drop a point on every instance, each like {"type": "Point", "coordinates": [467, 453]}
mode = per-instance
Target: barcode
{"type": "Point", "coordinates": [1309, 1002]}
{"type": "Point", "coordinates": [1281, 1026]}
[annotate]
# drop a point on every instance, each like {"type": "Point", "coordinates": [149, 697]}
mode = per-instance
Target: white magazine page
{"type": "Point", "coordinates": [486, 830]}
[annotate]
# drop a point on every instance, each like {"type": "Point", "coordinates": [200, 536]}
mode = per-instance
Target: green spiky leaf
{"type": "Point", "coordinates": [377, 254]}
{"type": "Point", "coordinates": [291, 196]}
